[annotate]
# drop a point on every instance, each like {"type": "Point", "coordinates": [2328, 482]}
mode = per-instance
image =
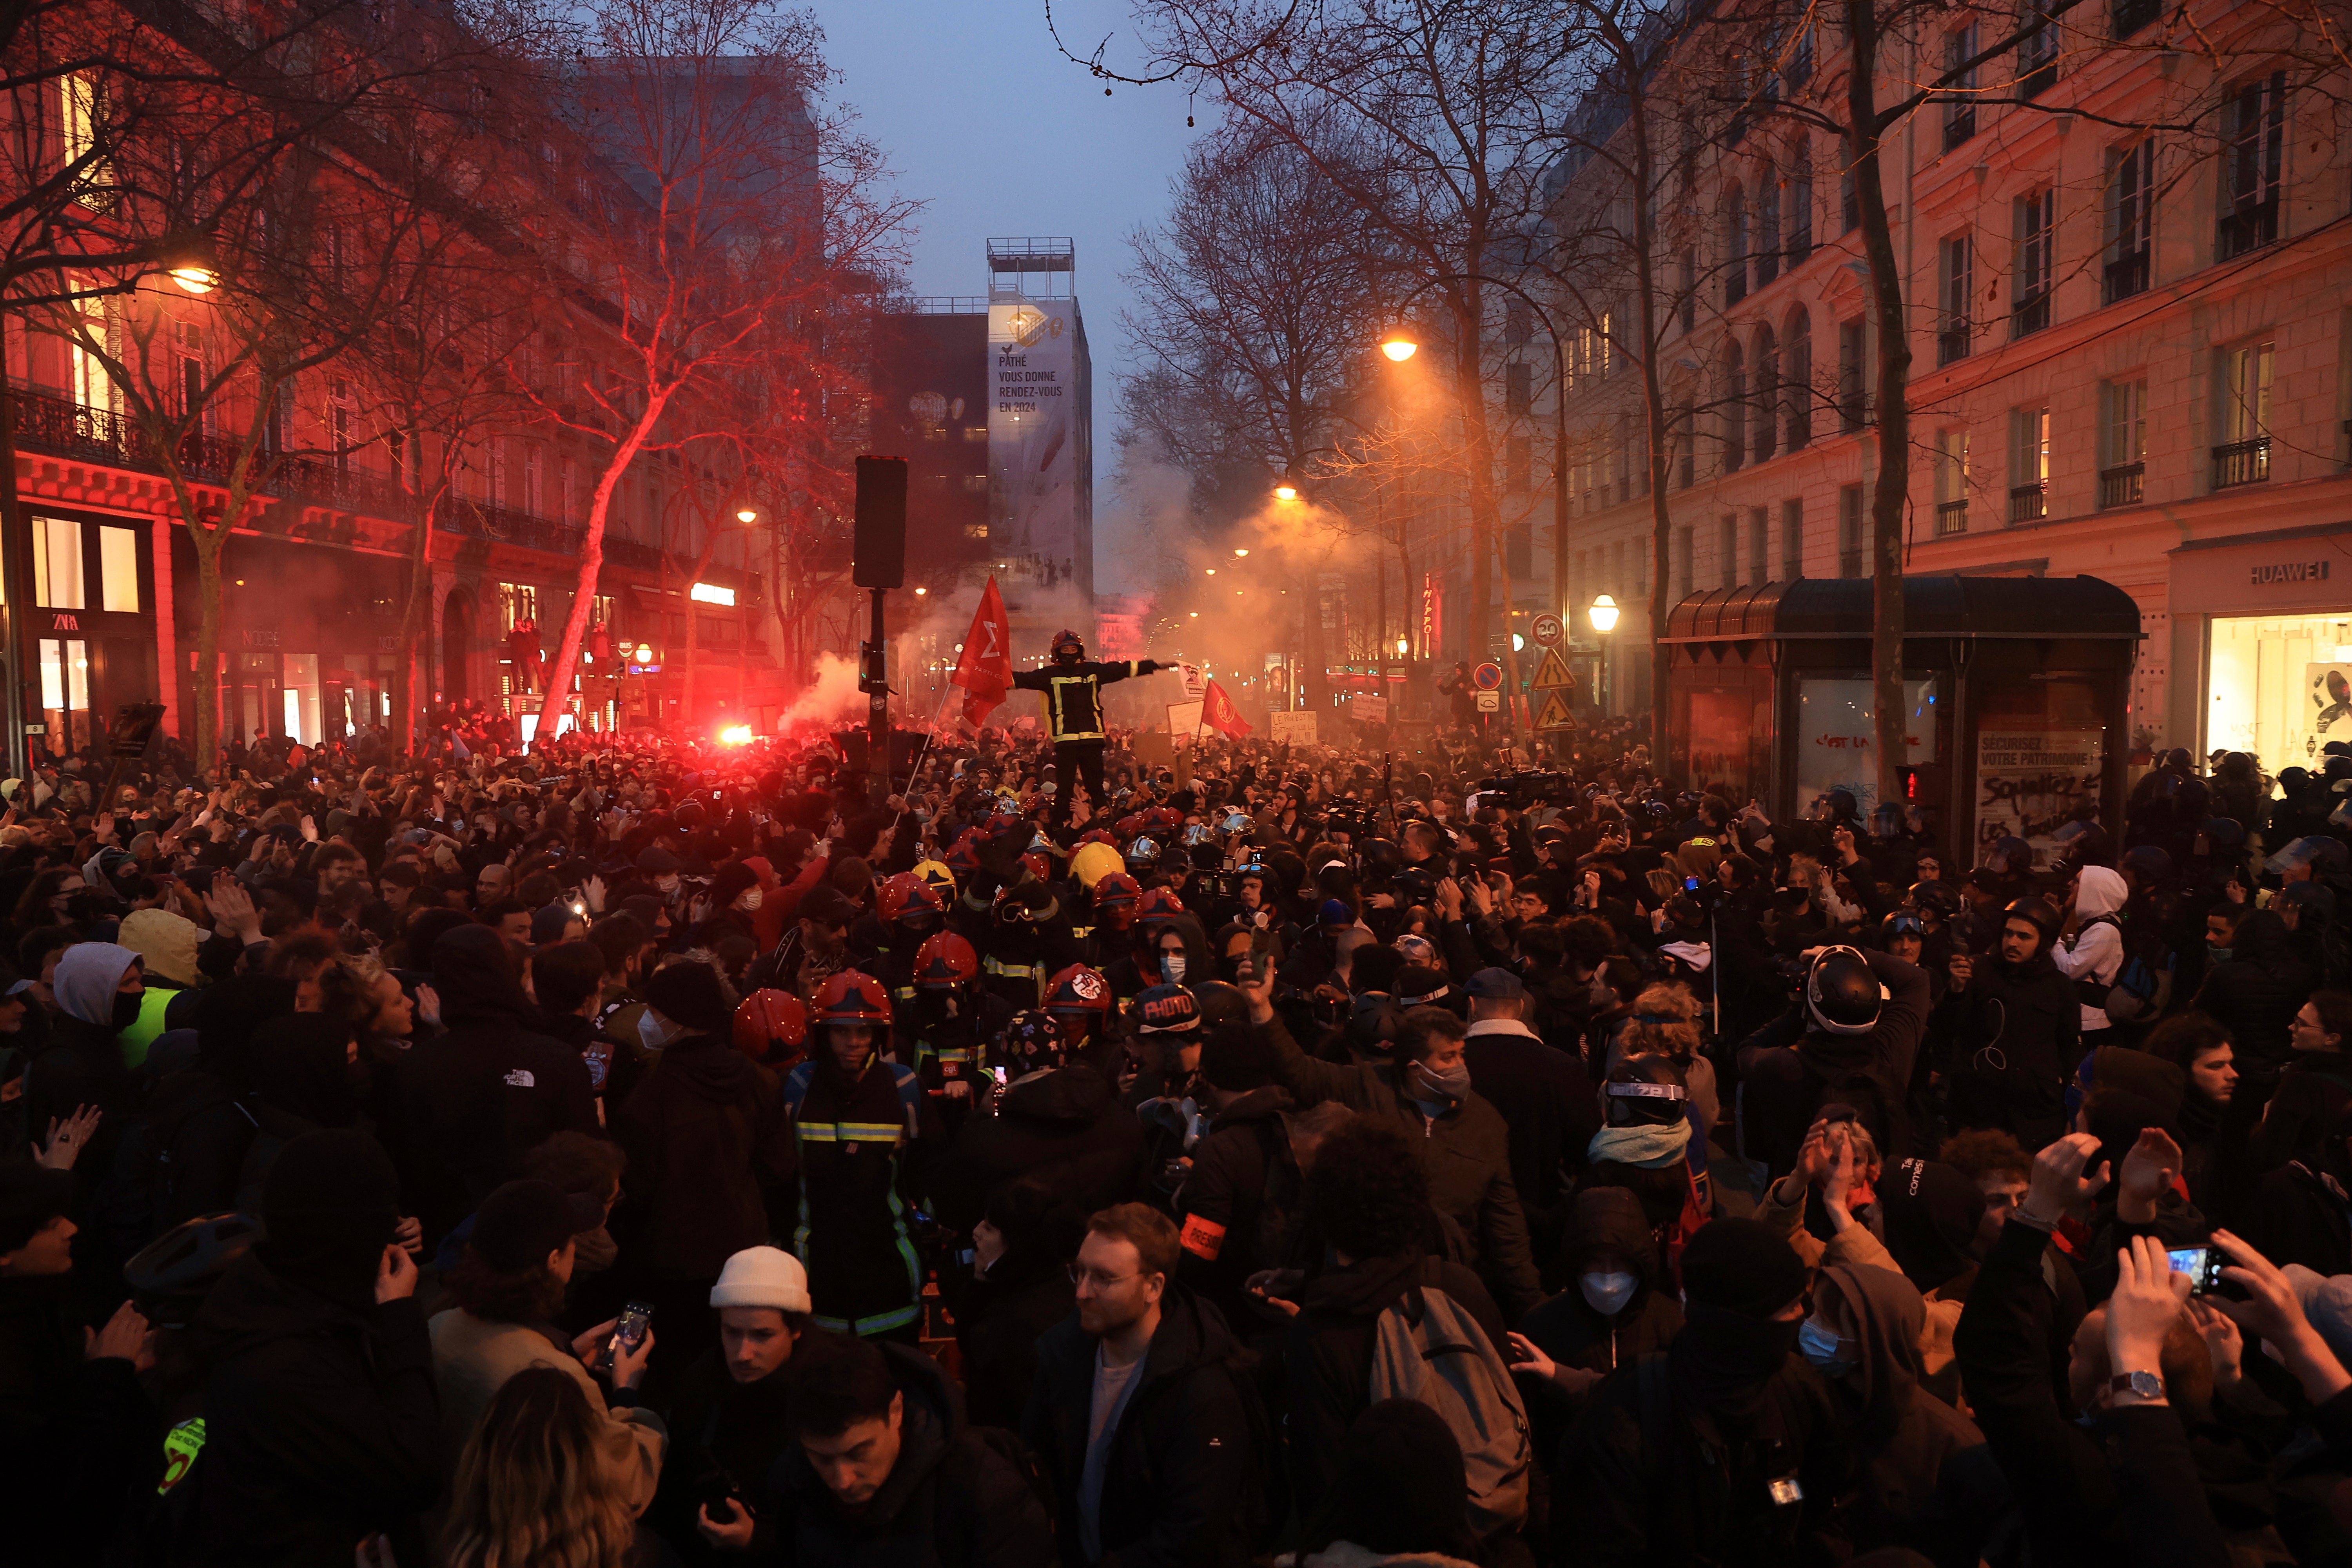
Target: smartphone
{"type": "Point", "coordinates": [2203, 1266]}
{"type": "Point", "coordinates": [630, 1328]}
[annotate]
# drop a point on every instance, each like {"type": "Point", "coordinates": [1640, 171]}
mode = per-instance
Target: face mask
{"type": "Point", "coordinates": [666, 884]}
{"type": "Point", "coordinates": [1607, 1293]}
{"type": "Point", "coordinates": [126, 1010]}
{"type": "Point", "coordinates": [1820, 1347]}
{"type": "Point", "coordinates": [1172, 968]}
{"type": "Point", "coordinates": [1453, 1085]}
{"type": "Point", "coordinates": [750, 901]}
{"type": "Point", "coordinates": [653, 1030]}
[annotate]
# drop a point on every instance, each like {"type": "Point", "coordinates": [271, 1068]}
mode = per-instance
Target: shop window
{"type": "Point", "coordinates": [118, 570]}
{"type": "Point", "coordinates": [58, 578]}
{"type": "Point", "coordinates": [64, 692]}
{"type": "Point", "coordinates": [517, 602]}
{"type": "Point", "coordinates": [301, 698]}
{"type": "Point", "coordinates": [2270, 685]}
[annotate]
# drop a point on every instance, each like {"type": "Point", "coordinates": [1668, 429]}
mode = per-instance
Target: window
{"type": "Point", "coordinates": [339, 424]}
{"type": "Point", "coordinates": [1799, 69]}
{"type": "Point", "coordinates": [1801, 207]}
{"type": "Point", "coordinates": [188, 345]}
{"type": "Point", "coordinates": [1518, 326]}
{"type": "Point", "coordinates": [1768, 230]}
{"type": "Point", "coordinates": [1608, 344]}
{"type": "Point", "coordinates": [2254, 142]}
{"type": "Point", "coordinates": [1853, 404]}
{"type": "Point", "coordinates": [118, 570]}
{"type": "Point", "coordinates": [2029, 289]}
{"type": "Point", "coordinates": [1687, 305]}
{"type": "Point", "coordinates": [1952, 481]}
{"type": "Point", "coordinates": [1849, 202]}
{"type": "Point", "coordinates": [2122, 440]}
{"type": "Point", "coordinates": [1792, 540]}
{"type": "Point", "coordinates": [1734, 245]}
{"type": "Point", "coordinates": [567, 495]}
{"type": "Point", "coordinates": [2125, 18]}
{"type": "Point", "coordinates": [1688, 539]}
{"type": "Point", "coordinates": [2131, 220]}
{"type": "Point", "coordinates": [57, 576]}
{"type": "Point", "coordinates": [517, 602]}
{"type": "Point", "coordinates": [1797, 379]}
{"type": "Point", "coordinates": [1768, 394]}
{"type": "Point", "coordinates": [2037, 57]}
{"type": "Point", "coordinates": [1850, 530]}
{"type": "Point", "coordinates": [82, 136]}
{"type": "Point", "coordinates": [1956, 285]}
{"type": "Point", "coordinates": [1685, 438]}
{"type": "Point", "coordinates": [1960, 91]}
{"type": "Point", "coordinates": [1735, 410]}
{"type": "Point", "coordinates": [2244, 458]}
{"type": "Point", "coordinates": [1727, 548]}
{"type": "Point", "coordinates": [2029, 465]}
{"type": "Point", "coordinates": [1759, 545]}
{"type": "Point", "coordinates": [1517, 387]}
{"type": "Point", "coordinates": [1515, 465]}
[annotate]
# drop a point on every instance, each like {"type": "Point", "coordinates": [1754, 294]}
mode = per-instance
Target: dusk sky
{"type": "Point", "coordinates": [988, 125]}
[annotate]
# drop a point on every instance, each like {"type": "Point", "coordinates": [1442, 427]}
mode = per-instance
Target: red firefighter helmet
{"type": "Point", "coordinates": [1115, 897]}
{"type": "Point", "coordinates": [1040, 864]}
{"type": "Point", "coordinates": [1159, 904]}
{"type": "Point", "coordinates": [1067, 648]}
{"type": "Point", "coordinates": [945, 960]}
{"type": "Point", "coordinates": [907, 891]}
{"type": "Point", "coordinates": [772, 1026]}
{"type": "Point", "coordinates": [850, 997]}
{"type": "Point", "coordinates": [963, 857]}
{"type": "Point", "coordinates": [1079, 989]}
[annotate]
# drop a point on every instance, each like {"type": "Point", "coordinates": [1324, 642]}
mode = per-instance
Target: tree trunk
{"type": "Point", "coordinates": [592, 563]}
{"type": "Point", "coordinates": [1890, 493]}
{"type": "Point", "coordinates": [208, 543]}
{"type": "Point", "coordinates": [415, 617]}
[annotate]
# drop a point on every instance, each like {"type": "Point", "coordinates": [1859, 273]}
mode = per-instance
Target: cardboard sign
{"type": "Point", "coordinates": [1184, 718]}
{"type": "Point", "coordinates": [1371, 709]}
{"type": "Point", "coordinates": [1298, 728]}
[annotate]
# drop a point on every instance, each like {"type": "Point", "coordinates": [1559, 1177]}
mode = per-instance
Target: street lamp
{"type": "Point", "coordinates": [746, 515]}
{"type": "Point", "coordinates": [1602, 615]}
{"type": "Point", "coordinates": [1240, 555]}
{"type": "Point", "coordinates": [1285, 491]}
{"type": "Point", "coordinates": [1399, 347]}
{"type": "Point", "coordinates": [196, 280]}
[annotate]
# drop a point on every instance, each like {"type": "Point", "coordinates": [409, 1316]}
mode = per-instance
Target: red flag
{"type": "Point", "coordinates": [986, 668]}
{"type": "Point", "coordinates": [1218, 712]}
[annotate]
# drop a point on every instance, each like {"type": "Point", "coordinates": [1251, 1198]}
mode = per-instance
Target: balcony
{"type": "Point", "coordinates": [1952, 343]}
{"type": "Point", "coordinates": [2034, 80]}
{"type": "Point", "coordinates": [2241, 463]}
{"type": "Point", "coordinates": [1960, 126]}
{"type": "Point", "coordinates": [2246, 230]}
{"type": "Point", "coordinates": [2125, 18]}
{"type": "Point", "coordinates": [2123, 486]}
{"type": "Point", "coordinates": [2125, 275]}
{"type": "Point", "coordinates": [2032, 314]}
{"type": "Point", "coordinates": [2029, 503]}
{"type": "Point", "coordinates": [1951, 517]}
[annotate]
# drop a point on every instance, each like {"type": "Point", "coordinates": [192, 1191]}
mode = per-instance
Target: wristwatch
{"type": "Point", "coordinates": [2142, 1384]}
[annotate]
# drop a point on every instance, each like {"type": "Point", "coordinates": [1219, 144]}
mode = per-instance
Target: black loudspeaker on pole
{"type": "Point", "coordinates": [879, 561]}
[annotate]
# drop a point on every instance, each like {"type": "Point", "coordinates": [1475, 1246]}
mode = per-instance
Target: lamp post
{"type": "Point", "coordinates": [1603, 616]}
{"type": "Point", "coordinates": [1400, 345]}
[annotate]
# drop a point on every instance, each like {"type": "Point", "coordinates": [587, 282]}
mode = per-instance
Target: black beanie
{"type": "Point", "coordinates": [689, 993]}
{"type": "Point", "coordinates": [1742, 1265]}
{"type": "Point", "coordinates": [1930, 1211]}
{"type": "Point", "coordinates": [330, 1203]}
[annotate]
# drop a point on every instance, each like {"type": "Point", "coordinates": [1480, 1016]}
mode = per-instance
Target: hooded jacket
{"type": "Point", "coordinates": [478, 1099]}
{"type": "Point", "coordinates": [322, 1425]}
{"type": "Point", "coordinates": [82, 1064]}
{"type": "Point", "coordinates": [1904, 1437]}
{"type": "Point", "coordinates": [1064, 1124]}
{"type": "Point", "coordinates": [2094, 955]}
{"type": "Point", "coordinates": [1327, 1357]}
{"type": "Point", "coordinates": [1181, 1482]}
{"type": "Point", "coordinates": [2256, 992]}
{"type": "Point", "coordinates": [705, 1130]}
{"type": "Point", "coordinates": [1466, 1152]}
{"type": "Point", "coordinates": [1605, 1221]}
{"type": "Point", "coordinates": [951, 1500]}
{"type": "Point", "coordinates": [2018, 1026]}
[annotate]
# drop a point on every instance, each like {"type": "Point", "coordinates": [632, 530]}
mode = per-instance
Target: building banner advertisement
{"type": "Point", "coordinates": [1033, 437]}
{"type": "Point", "coordinates": [2031, 782]}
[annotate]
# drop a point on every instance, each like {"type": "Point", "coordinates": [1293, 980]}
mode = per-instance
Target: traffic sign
{"type": "Point", "coordinates": [1488, 702]}
{"type": "Point", "coordinates": [1546, 630]}
{"type": "Point", "coordinates": [1555, 714]}
{"type": "Point", "coordinates": [1487, 678]}
{"type": "Point", "coordinates": [1552, 675]}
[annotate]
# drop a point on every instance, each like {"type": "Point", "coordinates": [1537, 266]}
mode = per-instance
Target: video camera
{"type": "Point", "coordinates": [1524, 789]}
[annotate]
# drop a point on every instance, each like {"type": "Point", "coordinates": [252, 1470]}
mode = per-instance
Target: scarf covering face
{"type": "Point", "coordinates": [1648, 1147]}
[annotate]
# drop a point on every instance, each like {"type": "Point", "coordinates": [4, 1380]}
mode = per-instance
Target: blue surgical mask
{"type": "Point", "coordinates": [1172, 967]}
{"type": "Point", "coordinates": [1607, 1293]}
{"type": "Point", "coordinates": [1821, 1347]}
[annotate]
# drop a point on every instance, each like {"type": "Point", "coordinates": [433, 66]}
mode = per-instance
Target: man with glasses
{"type": "Point", "coordinates": [1137, 1413]}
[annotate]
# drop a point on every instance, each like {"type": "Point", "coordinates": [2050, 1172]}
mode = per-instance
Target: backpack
{"type": "Point", "coordinates": [2142, 988]}
{"type": "Point", "coordinates": [1428, 1349]}
{"type": "Point", "coordinates": [140, 1196]}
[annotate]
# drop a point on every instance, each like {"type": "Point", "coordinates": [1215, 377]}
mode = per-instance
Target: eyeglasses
{"type": "Point", "coordinates": [1081, 1275]}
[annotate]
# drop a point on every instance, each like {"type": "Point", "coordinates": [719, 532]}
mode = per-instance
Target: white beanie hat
{"type": "Point", "coordinates": [762, 1277]}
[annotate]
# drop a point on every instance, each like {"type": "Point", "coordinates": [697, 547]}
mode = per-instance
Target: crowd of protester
{"type": "Point", "coordinates": [630, 1152]}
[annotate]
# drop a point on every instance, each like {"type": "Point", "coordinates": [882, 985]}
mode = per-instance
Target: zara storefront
{"type": "Point", "coordinates": [2264, 623]}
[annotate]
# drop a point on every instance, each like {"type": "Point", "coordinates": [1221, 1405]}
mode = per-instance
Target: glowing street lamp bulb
{"type": "Point", "coordinates": [1240, 555]}
{"type": "Point", "coordinates": [198, 280]}
{"type": "Point", "coordinates": [1400, 647]}
{"type": "Point", "coordinates": [1400, 348]}
{"type": "Point", "coordinates": [920, 592]}
{"type": "Point", "coordinates": [747, 514]}
{"type": "Point", "coordinates": [1196, 615]}
{"type": "Point", "coordinates": [1286, 492]}
{"type": "Point", "coordinates": [1209, 570]}
{"type": "Point", "coordinates": [1603, 614]}
{"type": "Point", "coordinates": [645, 653]}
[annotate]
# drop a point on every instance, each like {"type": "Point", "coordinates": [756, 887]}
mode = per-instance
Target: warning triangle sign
{"type": "Point", "coordinates": [1552, 674]}
{"type": "Point", "coordinates": [1555, 714]}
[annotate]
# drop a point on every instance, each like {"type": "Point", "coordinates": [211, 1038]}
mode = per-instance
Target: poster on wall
{"type": "Point", "coordinates": [2327, 697]}
{"type": "Point", "coordinates": [2031, 782]}
{"type": "Point", "coordinates": [1836, 727]}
